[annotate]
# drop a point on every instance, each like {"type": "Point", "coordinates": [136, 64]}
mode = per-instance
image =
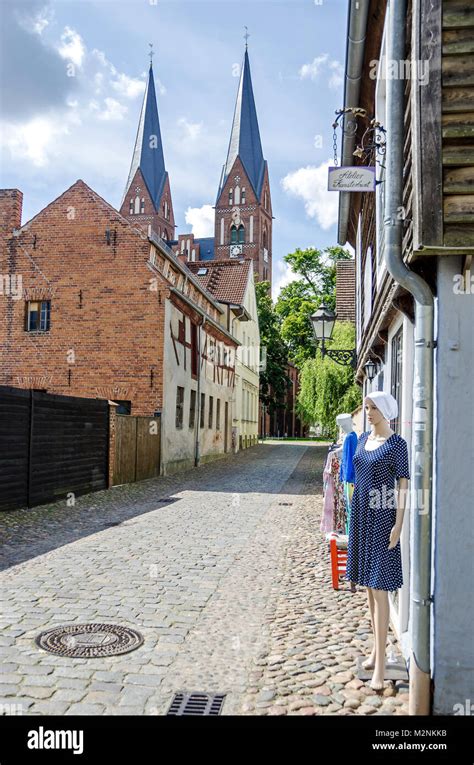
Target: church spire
{"type": "Point", "coordinates": [245, 136]}
{"type": "Point", "coordinates": [148, 154]}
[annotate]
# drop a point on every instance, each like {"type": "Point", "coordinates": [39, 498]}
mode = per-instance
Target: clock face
{"type": "Point", "coordinates": [235, 250]}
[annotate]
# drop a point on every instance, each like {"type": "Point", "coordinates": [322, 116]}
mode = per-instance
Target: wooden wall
{"type": "Point", "coordinates": [457, 122]}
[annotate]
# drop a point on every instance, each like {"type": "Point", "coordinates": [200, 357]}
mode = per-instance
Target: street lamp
{"type": "Point", "coordinates": [323, 321]}
{"type": "Point", "coordinates": [370, 369]}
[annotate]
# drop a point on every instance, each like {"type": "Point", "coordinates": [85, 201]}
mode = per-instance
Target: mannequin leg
{"type": "Point", "coordinates": [381, 630]}
{"type": "Point", "coordinates": [370, 662]}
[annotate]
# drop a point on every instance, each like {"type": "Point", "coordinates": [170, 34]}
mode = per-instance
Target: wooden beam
{"type": "Point", "coordinates": [459, 209]}
{"type": "Point", "coordinates": [458, 42]}
{"type": "Point", "coordinates": [458, 125]}
{"type": "Point", "coordinates": [459, 181]}
{"type": "Point", "coordinates": [460, 155]}
{"type": "Point", "coordinates": [458, 71]}
{"type": "Point", "coordinates": [458, 99]}
{"type": "Point", "coordinates": [457, 13]}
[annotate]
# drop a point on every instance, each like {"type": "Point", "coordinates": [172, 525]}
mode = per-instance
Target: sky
{"type": "Point", "coordinates": [72, 78]}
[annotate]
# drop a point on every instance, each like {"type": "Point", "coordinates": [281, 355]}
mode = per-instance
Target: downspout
{"type": "Point", "coordinates": [197, 454]}
{"type": "Point", "coordinates": [422, 432]}
{"type": "Point", "coordinates": [356, 34]}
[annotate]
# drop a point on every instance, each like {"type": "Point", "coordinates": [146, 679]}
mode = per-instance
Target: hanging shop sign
{"type": "Point", "coordinates": [351, 178]}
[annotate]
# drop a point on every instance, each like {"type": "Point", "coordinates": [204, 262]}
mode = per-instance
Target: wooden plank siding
{"type": "Point", "coordinates": [137, 448]}
{"type": "Point", "coordinates": [457, 122]}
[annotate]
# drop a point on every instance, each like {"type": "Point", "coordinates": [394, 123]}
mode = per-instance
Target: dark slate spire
{"type": "Point", "coordinates": [245, 136]}
{"type": "Point", "coordinates": [148, 152]}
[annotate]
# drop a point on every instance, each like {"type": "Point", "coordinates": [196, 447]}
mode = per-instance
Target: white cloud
{"type": "Point", "coordinates": [34, 140]}
{"type": "Point", "coordinates": [321, 64]}
{"type": "Point", "coordinates": [130, 87]}
{"type": "Point", "coordinates": [114, 110]}
{"type": "Point", "coordinates": [284, 275]}
{"type": "Point", "coordinates": [191, 130]}
{"type": "Point", "coordinates": [72, 46]}
{"type": "Point", "coordinates": [310, 184]}
{"type": "Point", "coordinates": [201, 219]}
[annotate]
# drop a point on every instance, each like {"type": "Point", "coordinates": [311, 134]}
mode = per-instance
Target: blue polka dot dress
{"type": "Point", "coordinates": [373, 512]}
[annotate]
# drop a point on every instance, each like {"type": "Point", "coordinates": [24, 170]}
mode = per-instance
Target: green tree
{"type": "Point", "coordinates": [327, 388]}
{"type": "Point", "coordinates": [273, 377]}
{"type": "Point", "coordinates": [299, 299]}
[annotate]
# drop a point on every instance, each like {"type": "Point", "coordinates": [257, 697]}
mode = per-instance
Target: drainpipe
{"type": "Point", "coordinates": [422, 434]}
{"type": "Point", "coordinates": [197, 424]}
{"type": "Point", "coordinates": [356, 34]}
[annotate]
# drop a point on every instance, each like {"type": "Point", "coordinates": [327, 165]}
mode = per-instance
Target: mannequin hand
{"type": "Point", "coordinates": [394, 537]}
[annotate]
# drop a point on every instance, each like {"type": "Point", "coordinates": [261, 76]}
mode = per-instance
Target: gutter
{"type": "Point", "coordinates": [422, 425]}
{"type": "Point", "coordinates": [356, 34]}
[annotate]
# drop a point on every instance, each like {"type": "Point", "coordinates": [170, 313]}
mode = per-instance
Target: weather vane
{"type": "Point", "coordinates": [246, 37]}
{"type": "Point", "coordinates": [151, 53]}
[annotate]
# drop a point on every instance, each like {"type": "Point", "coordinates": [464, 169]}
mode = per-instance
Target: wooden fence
{"type": "Point", "coordinates": [137, 448]}
{"type": "Point", "coordinates": [50, 446]}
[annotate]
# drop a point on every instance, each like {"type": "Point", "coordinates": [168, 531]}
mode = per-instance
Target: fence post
{"type": "Point", "coordinates": [112, 442]}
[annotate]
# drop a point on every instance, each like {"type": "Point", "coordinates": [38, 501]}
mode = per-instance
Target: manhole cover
{"type": "Point", "coordinates": [87, 641]}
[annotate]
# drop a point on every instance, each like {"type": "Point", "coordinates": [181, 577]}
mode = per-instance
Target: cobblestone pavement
{"type": "Point", "coordinates": [223, 571]}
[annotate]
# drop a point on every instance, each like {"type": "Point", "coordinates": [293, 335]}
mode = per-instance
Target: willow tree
{"type": "Point", "coordinates": [326, 387]}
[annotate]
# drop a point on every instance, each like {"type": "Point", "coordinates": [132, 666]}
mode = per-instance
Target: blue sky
{"type": "Point", "coordinates": [73, 75]}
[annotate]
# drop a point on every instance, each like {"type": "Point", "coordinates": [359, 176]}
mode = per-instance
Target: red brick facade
{"type": "Point", "coordinates": [138, 208]}
{"type": "Point", "coordinates": [238, 206]}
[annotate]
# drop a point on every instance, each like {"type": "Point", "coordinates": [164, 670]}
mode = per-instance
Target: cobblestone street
{"type": "Point", "coordinates": [223, 571]}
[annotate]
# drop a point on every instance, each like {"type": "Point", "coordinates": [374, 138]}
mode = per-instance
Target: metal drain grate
{"type": "Point", "coordinates": [196, 703]}
{"type": "Point", "coordinates": [87, 641]}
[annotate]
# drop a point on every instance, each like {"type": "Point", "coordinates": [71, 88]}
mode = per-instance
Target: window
{"type": "Point", "coordinates": [237, 195]}
{"type": "Point", "coordinates": [38, 316]}
{"type": "Point", "coordinates": [218, 414]}
{"type": "Point", "coordinates": [251, 229]}
{"type": "Point", "coordinates": [131, 207]}
{"type": "Point", "coordinates": [192, 409]}
{"type": "Point", "coordinates": [179, 406]}
{"type": "Point", "coordinates": [142, 206]}
{"type": "Point", "coordinates": [203, 403]}
{"type": "Point", "coordinates": [211, 411]}
{"type": "Point", "coordinates": [230, 196]}
{"type": "Point", "coordinates": [397, 374]}
{"type": "Point", "coordinates": [194, 350]}
{"type": "Point", "coordinates": [241, 234]}
{"type": "Point", "coordinates": [243, 195]}
{"type": "Point", "coordinates": [233, 235]}
{"type": "Point", "coordinates": [222, 230]}
{"type": "Point", "coordinates": [137, 205]}
{"type": "Point", "coordinates": [124, 407]}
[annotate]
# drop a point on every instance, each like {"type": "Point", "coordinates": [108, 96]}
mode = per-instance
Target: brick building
{"type": "Point", "coordinates": [96, 304]}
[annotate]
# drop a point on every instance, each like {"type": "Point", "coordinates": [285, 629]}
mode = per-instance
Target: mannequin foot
{"type": "Point", "coordinates": [370, 662]}
{"type": "Point", "coordinates": [353, 587]}
{"type": "Point", "coordinates": [376, 684]}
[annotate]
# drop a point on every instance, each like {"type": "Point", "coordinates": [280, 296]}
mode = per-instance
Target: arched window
{"type": "Point", "coordinates": [137, 205]}
{"type": "Point", "coordinates": [237, 195]}
{"type": "Point", "coordinates": [265, 239]}
{"type": "Point", "coordinates": [233, 235]}
{"type": "Point", "coordinates": [243, 195]}
{"type": "Point", "coordinates": [241, 234]}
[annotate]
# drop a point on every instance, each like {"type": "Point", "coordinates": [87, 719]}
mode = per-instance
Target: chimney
{"type": "Point", "coordinates": [11, 203]}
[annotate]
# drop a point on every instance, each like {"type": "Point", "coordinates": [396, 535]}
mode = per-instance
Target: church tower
{"type": "Point", "coordinates": [147, 197]}
{"type": "Point", "coordinates": [243, 211]}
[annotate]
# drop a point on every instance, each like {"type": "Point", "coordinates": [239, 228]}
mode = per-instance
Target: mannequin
{"type": "Point", "coordinates": [346, 475]}
{"type": "Point", "coordinates": [374, 555]}
{"type": "Point", "coordinates": [347, 450]}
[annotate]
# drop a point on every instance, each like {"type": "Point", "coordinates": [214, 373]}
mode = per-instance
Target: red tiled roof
{"type": "Point", "coordinates": [226, 280]}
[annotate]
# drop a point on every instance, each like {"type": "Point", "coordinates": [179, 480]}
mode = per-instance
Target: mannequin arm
{"type": "Point", "coordinates": [401, 504]}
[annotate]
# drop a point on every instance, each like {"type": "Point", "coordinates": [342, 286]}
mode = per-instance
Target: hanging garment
{"type": "Point", "coordinates": [348, 449]}
{"type": "Point", "coordinates": [373, 513]}
{"type": "Point", "coordinates": [329, 496]}
{"type": "Point", "coordinates": [348, 492]}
